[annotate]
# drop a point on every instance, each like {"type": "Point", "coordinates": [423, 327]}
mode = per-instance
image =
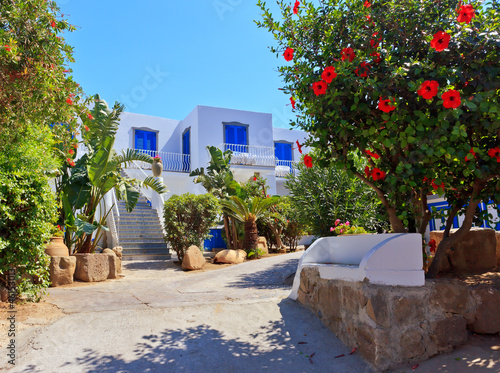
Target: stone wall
{"type": "Point", "coordinates": [395, 326]}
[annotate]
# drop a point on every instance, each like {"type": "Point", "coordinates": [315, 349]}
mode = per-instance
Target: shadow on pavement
{"type": "Point", "coordinates": [286, 345]}
{"type": "Point", "coordinates": [275, 277]}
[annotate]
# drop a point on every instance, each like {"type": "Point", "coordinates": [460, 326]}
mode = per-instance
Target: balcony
{"type": "Point", "coordinates": [174, 162]}
{"type": "Point", "coordinates": [251, 155]}
{"type": "Point", "coordinates": [283, 168]}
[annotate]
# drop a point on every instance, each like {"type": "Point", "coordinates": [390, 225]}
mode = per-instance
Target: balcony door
{"type": "Point", "coordinates": [283, 151]}
{"type": "Point", "coordinates": [236, 138]}
{"type": "Point", "coordinates": [186, 151]}
{"type": "Point", "coordinates": [145, 140]}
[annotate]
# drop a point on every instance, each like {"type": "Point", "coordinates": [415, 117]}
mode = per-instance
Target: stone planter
{"type": "Point", "coordinates": [61, 270]}
{"type": "Point", "coordinates": [56, 247]}
{"type": "Point", "coordinates": [157, 168]}
{"type": "Point", "coordinates": [96, 267]}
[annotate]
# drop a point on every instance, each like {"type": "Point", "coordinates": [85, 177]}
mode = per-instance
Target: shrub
{"type": "Point", "coordinates": [27, 210]}
{"type": "Point", "coordinates": [321, 195]}
{"type": "Point", "coordinates": [187, 220]}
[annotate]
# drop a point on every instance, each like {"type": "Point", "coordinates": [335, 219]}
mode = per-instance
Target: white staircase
{"type": "Point", "coordinates": [140, 233]}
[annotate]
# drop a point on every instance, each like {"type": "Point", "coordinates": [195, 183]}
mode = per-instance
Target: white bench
{"type": "Point", "coordinates": [389, 259]}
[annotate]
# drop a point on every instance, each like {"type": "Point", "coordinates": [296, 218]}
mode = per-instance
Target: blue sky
{"type": "Point", "coordinates": [163, 58]}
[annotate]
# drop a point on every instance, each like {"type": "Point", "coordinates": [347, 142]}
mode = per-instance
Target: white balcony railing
{"type": "Point", "coordinates": [284, 168]}
{"type": "Point", "coordinates": [175, 162]}
{"type": "Point", "coordinates": [251, 155]}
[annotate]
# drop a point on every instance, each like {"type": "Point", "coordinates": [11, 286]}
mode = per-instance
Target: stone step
{"type": "Point", "coordinates": [139, 213]}
{"type": "Point", "coordinates": [146, 257]}
{"type": "Point", "coordinates": [141, 241]}
{"type": "Point", "coordinates": [146, 207]}
{"type": "Point", "coordinates": [128, 236]}
{"type": "Point", "coordinates": [143, 246]}
{"type": "Point", "coordinates": [138, 219]}
{"type": "Point", "coordinates": [130, 252]}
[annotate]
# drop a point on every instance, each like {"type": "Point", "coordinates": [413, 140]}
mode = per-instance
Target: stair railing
{"type": "Point", "coordinates": [157, 201]}
{"type": "Point", "coordinates": [113, 219]}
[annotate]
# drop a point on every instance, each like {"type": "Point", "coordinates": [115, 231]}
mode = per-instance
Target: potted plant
{"type": "Point", "coordinates": [157, 166]}
{"type": "Point", "coordinates": [56, 246]}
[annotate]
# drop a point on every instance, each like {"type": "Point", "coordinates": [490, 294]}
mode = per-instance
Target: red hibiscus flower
{"type": "Point", "coordinates": [362, 70]}
{"type": "Point", "coordinates": [371, 154]}
{"type": "Point", "coordinates": [440, 41]}
{"type": "Point", "coordinates": [432, 245]}
{"type": "Point", "coordinates": [75, 146]}
{"type": "Point", "coordinates": [495, 153]}
{"type": "Point", "coordinates": [348, 53]}
{"type": "Point", "coordinates": [255, 178]}
{"type": "Point", "coordinates": [288, 54]}
{"type": "Point", "coordinates": [308, 161]}
{"type": "Point", "coordinates": [451, 99]}
{"type": "Point", "coordinates": [299, 146]}
{"type": "Point", "coordinates": [377, 55]}
{"type": "Point", "coordinates": [90, 116]}
{"type": "Point", "coordinates": [367, 4]}
{"type": "Point", "coordinates": [70, 162]}
{"type": "Point", "coordinates": [368, 17]}
{"type": "Point", "coordinates": [87, 128]}
{"type": "Point", "coordinates": [7, 48]}
{"type": "Point", "coordinates": [296, 7]}
{"type": "Point", "coordinates": [71, 151]}
{"type": "Point", "coordinates": [319, 88]}
{"type": "Point", "coordinates": [329, 74]}
{"type": "Point", "coordinates": [435, 186]}
{"type": "Point", "coordinates": [292, 101]}
{"type": "Point", "coordinates": [53, 24]}
{"type": "Point", "coordinates": [471, 151]}
{"type": "Point", "coordinates": [378, 174]}
{"type": "Point", "coordinates": [466, 13]}
{"type": "Point", "coordinates": [367, 172]}
{"type": "Point", "coordinates": [69, 101]}
{"type": "Point", "coordinates": [428, 89]}
{"type": "Point", "coordinates": [386, 105]}
{"type": "Point", "coordinates": [374, 42]}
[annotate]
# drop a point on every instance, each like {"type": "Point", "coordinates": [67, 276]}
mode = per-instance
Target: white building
{"type": "Point", "coordinates": [258, 149]}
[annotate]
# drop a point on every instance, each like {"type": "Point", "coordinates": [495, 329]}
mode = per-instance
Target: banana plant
{"type": "Point", "coordinates": [95, 174]}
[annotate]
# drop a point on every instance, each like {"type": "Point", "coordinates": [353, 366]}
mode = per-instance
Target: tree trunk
{"type": "Point", "coordinates": [251, 235]}
{"type": "Point", "coordinates": [448, 240]}
{"type": "Point", "coordinates": [277, 236]}
{"type": "Point", "coordinates": [226, 229]}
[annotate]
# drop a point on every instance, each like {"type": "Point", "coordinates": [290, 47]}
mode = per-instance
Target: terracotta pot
{"type": "Point", "coordinates": [56, 247]}
{"type": "Point", "coordinates": [157, 168]}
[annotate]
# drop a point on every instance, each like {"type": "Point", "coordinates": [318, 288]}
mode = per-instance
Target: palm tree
{"type": "Point", "coordinates": [248, 213]}
{"type": "Point", "coordinates": [95, 174]}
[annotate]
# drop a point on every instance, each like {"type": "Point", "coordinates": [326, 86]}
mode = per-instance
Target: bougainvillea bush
{"type": "Point", "coordinates": [413, 85]}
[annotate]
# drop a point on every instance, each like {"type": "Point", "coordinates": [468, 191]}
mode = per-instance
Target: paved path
{"type": "Point", "coordinates": [160, 319]}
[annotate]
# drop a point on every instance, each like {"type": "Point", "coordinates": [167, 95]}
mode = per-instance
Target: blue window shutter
{"type": "Point", "coordinates": [145, 140]}
{"type": "Point", "coordinates": [283, 151]}
{"type": "Point", "coordinates": [236, 135]}
{"type": "Point", "coordinates": [185, 143]}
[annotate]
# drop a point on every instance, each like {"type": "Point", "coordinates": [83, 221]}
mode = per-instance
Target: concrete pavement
{"type": "Point", "coordinates": [160, 319]}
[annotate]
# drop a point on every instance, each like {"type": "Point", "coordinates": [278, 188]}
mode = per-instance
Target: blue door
{"type": "Point", "coordinates": [186, 151]}
{"type": "Point", "coordinates": [283, 152]}
{"type": "Point", "coordinates": [145, 140]}
{"type": "Point", "coordinates": [236, 138]}
{"type": "Point", "coordinates": [216, 242]}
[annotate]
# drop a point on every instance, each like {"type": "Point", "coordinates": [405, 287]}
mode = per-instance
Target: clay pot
{"type": "Point", "coordinates": [56, 247]}
{"type": "Point", "coordinates": [157, 168]}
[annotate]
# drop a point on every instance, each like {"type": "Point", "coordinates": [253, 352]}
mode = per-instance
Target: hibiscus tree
{"type": "Point", "coordinates": [416, 83]}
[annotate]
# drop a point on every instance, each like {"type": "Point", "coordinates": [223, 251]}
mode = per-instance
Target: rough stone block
{"type": "Point", "coordinates": [262, 244]}
{"type": "Point", "coordinates": [93, 267]}
{"type": "Point", "coordinates": [487, 317]}
{"type": "Point", "coordinates": [450, 296]}
{"type": "Point", "coordinates": [473, 253]}
{"type": "Point", "coordinates": [374, 345]}
{"type": "Point", "coordinates": [230, 256]}
{"type": "Point", "coordinates": [61, 270]}
{"type": "Point", "coordinates": [448, 333]}
{"type": "Point", "coordinates": [377, 308]}
{"type": "Point", "coordinates": [411, 344]}
{"type": "Point", "coordinates": [408, 310]}
{"type": "Point", "coordinates": [193, 258]}
{"type": "Point", "coordinates": [115, 267]}
{"type": "Point", "coordinates": [353, 299]}
{"type": "Point", "coordinates": [330, 301]}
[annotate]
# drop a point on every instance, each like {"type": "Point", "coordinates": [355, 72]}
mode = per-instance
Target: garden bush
{"type": "Point", "coordinates": [188, 219]}
{"type": "Point", "coordinates": [27, 211]}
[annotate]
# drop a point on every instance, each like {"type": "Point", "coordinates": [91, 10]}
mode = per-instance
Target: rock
{"type": "Point", "coordinates": [411, 344]}
{"type": "Point", "coordinates": [373, 346]}
{"type": "Point", "coordinates": [61, 270]}
{"type": "Point", "coordinates": [473, 253]}
{"type": "Point", "coordinates": [108, 251]}
{"type": "Point", "coordinates": [407, 311]}
{"type": "Point", "coordinates": [449, 333]}
{"type": "Point", "coordinates": [262, 244]}
{"type": "Point", "coordinates": [96, 267]}
{"type": "Point", "coordinates": [487, 317]}
{"type": "Point", "coordinates": [230, 256]}
{"type": "Point", "coordinates": [193, 258]}
{"type": "Point", "coordinates": [450, 296]}
{"type": "Point", "coordinates": [353, 299]}
{"type": "Point", "coordinates": [497, 234]}
{"type": "Point", "coordinates": [4, 294]}
{"type": "Point", "coordinates": [118, 251]}
{"type": "Point", "coordinates": [378, 309]}
{"type": "Point", "coordinates": [115, 266]}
